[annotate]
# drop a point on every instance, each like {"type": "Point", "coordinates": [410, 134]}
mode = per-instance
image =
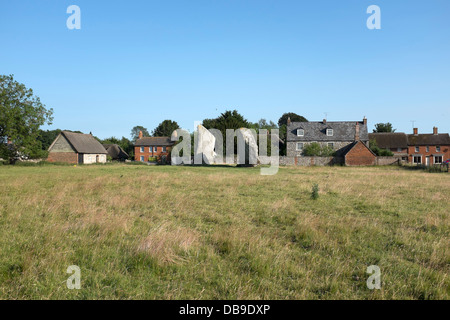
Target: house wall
{"type": "Point", "coordinates": [445, 152]}
{"type": "Point", "coordinates": [89, 158]}
{"type": "Point", "coordinates": [359, 155]}
{"type": "Point", "coordinates": [292, 145]}
{"type": "Point", "coordinates": [149, 154]}
{"type": "Point", "coordinates": [67, 157]}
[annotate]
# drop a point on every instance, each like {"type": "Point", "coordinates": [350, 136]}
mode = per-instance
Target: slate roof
{"type": "Point", "coordinates": [115, 151]}
{"type": "Point", "coordinates": [83, 143]}
{"type": "Point", "coordinates": [154, 141]}
{"type": "Point", "coordinates": [388, 140]}
{"type": "Point", "coordinates": [429, 139]}
{"type": "Point", "coordinates": [317, 131]}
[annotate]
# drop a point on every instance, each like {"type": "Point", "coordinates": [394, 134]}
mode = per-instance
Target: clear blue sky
{"type": "Point", "coordinates": [140, 62]}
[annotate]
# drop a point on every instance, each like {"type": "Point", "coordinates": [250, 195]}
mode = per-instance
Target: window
{"type": "Point", "coordinates": [399, 149]}
{"type": "Point", "coordinates": [417, 149]}
{"type": "Point", "coordinates": [417, 159]}
{"type": "Point", "coordinates": [428, 149]}
{"type": "Point", "coordinates": [142, 158]}
{"type": "Point", "coordinates": [438, 149]}
{"type": "Point", "coordinates": [164, 149]}
{"type": "Point", "coordinates": [300, 132]}
{"type": "Point", "coordinates": [299, 146]}
{"type": "Point", "coordinates": [329, 132]}
{"type": "Point", "coordinates": [156, 149]}
{"type": "Point", "coordinates": [437, 159]}
{"type": "Point", "coordinates": [142, 149]}
{"type": "Point", "coordinates": [331, 144]}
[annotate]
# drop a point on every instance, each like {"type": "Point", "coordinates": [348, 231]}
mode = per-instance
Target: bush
{"type": "Point", "coordinates": [316, 150]}
{"type": "Point", "coordinates": [378, 151]}
{"type": "Point", "coordinates": [315, 192]}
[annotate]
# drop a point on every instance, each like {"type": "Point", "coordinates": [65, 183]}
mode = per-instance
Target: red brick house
{"type": "Point", "coordinates": [358, 154]}
{"type": "Point", "coordinates": [146, 148]}
{"type": "Point", "coordinates": [428, 149]}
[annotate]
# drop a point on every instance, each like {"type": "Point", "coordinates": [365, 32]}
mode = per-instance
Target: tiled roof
{"type": "Point", "coordinates": [154, 141]}
{"type": "Point", "coordinates": [428, 139]}
{"type": "Point", "coordinates": [317, 131]}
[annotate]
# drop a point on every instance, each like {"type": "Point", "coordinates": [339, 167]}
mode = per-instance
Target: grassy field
{"type": "Point", "coordinates": [140, 232]}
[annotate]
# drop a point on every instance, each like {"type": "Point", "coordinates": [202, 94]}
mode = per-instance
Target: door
{"type": "Point", "coordinates": [427, 161]}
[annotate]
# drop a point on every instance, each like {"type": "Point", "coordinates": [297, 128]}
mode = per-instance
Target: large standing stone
{"type": "Point", "coordinates": [204, 146]}
{"type": "Point", "coordinates": [247, 147]}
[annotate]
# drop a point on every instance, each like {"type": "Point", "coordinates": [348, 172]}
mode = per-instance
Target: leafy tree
{"type": "Point", "coordinates": [135, 132]}
{"type": "Point", "coordinates": [21, 115]}
{"type": "Point", "coordinates": [165, 128]}
{"type": "Point", "coordinates": [315, 149]}
{"type": "Point", "coordinates": [294, 118]}
{"type": "Point", "coordinates": [383, 127]}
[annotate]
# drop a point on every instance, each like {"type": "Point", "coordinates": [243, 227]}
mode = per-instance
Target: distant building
{"type": "Point", "coordinates": [396, 142]}
{"type": "Point", "coordinates": [146, 148]}
{"type": "Point", "coordinates": [116, 152]}
{"type": "Point", "coordinates": [429, 148]}
{"type": "Point", "coordinates": [76, 148]}
{"type": "Point", "coordinates": [335, 135]}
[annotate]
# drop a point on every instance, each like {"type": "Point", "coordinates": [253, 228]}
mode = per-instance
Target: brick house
{"type": "Point", "coordinates": [396, 142]}
{"type": "Point", "coordinates": [428, 149]}
{"type": "Point", "coordinates": [336, 135]}
{"type": "Point", "coordinates": [150, 147]}
{"type": "Point", "coordinates": [357, 154]}
{"type": "Point", "coordinates": [76, 148]}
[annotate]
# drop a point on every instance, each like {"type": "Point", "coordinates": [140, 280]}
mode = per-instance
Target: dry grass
{"type": "Point", "coordinates": [213, 232]}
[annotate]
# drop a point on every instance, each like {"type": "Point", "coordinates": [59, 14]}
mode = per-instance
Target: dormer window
{"type": "Point", "coordinates": [329, 132]}
{"type": "Point", "coordinates": [300, 132]}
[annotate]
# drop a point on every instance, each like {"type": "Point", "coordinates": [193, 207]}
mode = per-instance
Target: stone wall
{"type": "Point", "coordinates": [386, 161]}
{"type": "Point", "coordinates": [291, 147]}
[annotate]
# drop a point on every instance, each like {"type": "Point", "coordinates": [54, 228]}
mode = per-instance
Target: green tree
{"type": "Point", "coordinates": [165, 128]}
{"type": "Point", "coordinates": [383, 127]}
{"type": "Point", "coordinates": [124, 143]}
{"type": "Point", "coordinates": [135, 132]}
{"type": "Point", "coordinates": [294, 118]}
{"type": "Point", "coordinates": [21, 115]}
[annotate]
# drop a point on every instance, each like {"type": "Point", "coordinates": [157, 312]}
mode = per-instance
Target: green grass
{"type": "Point", "coordinates": [161, 232]}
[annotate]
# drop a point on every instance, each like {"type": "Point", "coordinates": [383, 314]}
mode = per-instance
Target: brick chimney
{"type": "Point", "coordinates": [324, 121]}
{"type": "Point", "coordinates": [365, 121]}
{"type": "Point", "coordinates": [289, 121]}
{"type": "Point", "coordinates": [435, 131]}
{"type": "Point", "coordinates": [357, 132]}
{"type": "Point", "coordinates": [416, 131]}
{"type": "Point", "coordinates": [140, 135]}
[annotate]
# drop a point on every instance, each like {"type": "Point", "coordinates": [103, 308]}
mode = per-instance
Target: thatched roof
{"type": "Point", "coordinates": [388, 140]}
{"type": "Point", "coordinates": [83, 143]}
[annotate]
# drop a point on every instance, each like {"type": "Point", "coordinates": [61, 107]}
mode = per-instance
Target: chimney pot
{"type": "Point", "coordinates": [435, 130]}
{"type": "Point", "coordinates": [289, 121]}
{"type": "Point", "coordinates": [324, 121]}
{"type": "Point", "coordinates": [357, 131]}
{"type": "Point", "coordinates": [416, 131]}
{"type": "Point", "coordinates": [140, 135]}
{"type": "Point", "coordinates": [365, 121]}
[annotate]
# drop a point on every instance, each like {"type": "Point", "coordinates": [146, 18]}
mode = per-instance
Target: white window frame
{"type": "Point", "coordinates": [419, 157]}
{"type": "Point", "coordinates": [416, 149]}
{"type": "Point", "coordinates": [155, 149]}
{"type": "Point", "coordinates": [142, 159]}
{"type": "Point", "coordinates": [164, 149]}
{"type": "Point", "coordinates": [440, 162]}
{"type": "Point", "coordinates": [428, 149]}
{"type": "Point", "coordinates": [438, 148]}
{"type": "Point", "coordinates": [296, 146]}
{"type": "Point", "coordinates": [142, 149]}
{"type": "Point", "coordinates": [330, 132]}
{"type": "Point", "coordinates": [300, 130]}
{"type": "Point", "coordinates": [330, 144]}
